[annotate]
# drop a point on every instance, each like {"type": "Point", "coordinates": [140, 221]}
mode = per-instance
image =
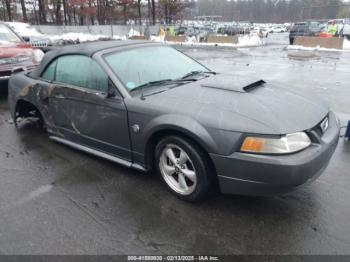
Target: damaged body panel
{"type": "Point", "coordinates": [122, 109]}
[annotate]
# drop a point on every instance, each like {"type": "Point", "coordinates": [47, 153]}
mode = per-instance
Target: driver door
{"type": "Point", "coordinates": [83, 111]}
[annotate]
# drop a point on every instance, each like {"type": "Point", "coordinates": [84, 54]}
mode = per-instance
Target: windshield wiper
{"type": "Point", "coordinates": [193, 73]}
{"type": "Point", "coordinates": [150, 84]}
{"type": "Point", "coordinates": [162, 82]}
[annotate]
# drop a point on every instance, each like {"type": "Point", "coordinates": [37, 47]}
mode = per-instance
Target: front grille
{"type": "Point", "coordinates": [320, 129]}
{"type": "Point", "coordinates": [39, 43]}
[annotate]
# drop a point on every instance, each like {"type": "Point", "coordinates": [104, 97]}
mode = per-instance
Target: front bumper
{"type": "Point", "coordinates": [259, 175]}
{"type": "Point", "coordinates": [4, 78]}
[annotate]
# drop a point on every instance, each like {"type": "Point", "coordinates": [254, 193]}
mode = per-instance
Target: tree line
{"type": "Point", "coordinates": [82, 12]}
{"type": "Point", "coordinates": [274, 11]}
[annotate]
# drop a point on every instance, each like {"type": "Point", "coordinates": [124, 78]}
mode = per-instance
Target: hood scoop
{"type": "Point", "coordinates": [254, 85]}
{"type": "Point", "coordinates": [240, 84]}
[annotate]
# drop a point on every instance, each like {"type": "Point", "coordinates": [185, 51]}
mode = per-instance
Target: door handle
{"type": "Point", "coordinates": [100, 94]}
{"type": "Point", "coordinates": [59, 96]}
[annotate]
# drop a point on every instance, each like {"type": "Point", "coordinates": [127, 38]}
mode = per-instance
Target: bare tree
{"type": "Point", "coordinates": [42, 12]}
{"type": "Point", "coordinates": [8, 9]}
{"type": "Point", "coordinates": [58, 17]}
{"type": "Point", "coordinates": [173, 8]}
{"type": "Point", "coordinates": [153, 12]}
{"type": "Point", "coordinates": [139, 11]}
{"type": "Point", "coordinates": [64, 2]}
{"type": "Point", "coordinates": [126, 5]}
{"type": "Point", "coordinates": [24, 11]}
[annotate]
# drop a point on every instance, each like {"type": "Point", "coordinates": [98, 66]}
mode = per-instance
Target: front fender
{"type": "Point", "coordinates": [212, 140]}
{"type": "Point", "coordinates": [182, 124]}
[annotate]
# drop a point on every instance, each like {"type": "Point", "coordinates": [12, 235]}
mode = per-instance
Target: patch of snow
{"type": "Point", "coordinates": [346, 48]}
{"type": "Point", "coordinates": [133, 32]}
{"type": "Point", "coordinates": [243, 41]}
{"type": "Point", "coordinates": [250, 40]}
{"type": "Point", "coordinates": [82, 37]}
{"type": "Point", "coordinates": [157, 38]}
{"type": "Point", "coordinates": [38, 55]}
{"type": "Point", "coordinates": [24, 29]}
{"type": "Point", "coordinates": [118, 37]}
{"type": "Point", "coordinates": [346, 44]}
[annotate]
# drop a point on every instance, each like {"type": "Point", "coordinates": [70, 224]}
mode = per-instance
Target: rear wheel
{"type": "Point", "coordinates": [26, 110]}
{"type": "Point", "coordinates": [184, 168]}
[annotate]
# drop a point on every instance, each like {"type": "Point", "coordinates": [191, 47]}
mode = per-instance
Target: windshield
{"type": "Point", "coordinates": [143, 65]}
{"type": "Point", "coordinates": [6, 35]}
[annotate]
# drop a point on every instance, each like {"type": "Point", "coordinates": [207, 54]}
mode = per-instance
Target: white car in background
{"type": "Point", "coordinates": [30, 34]}
{"type": "Point", "coordinates": [278, 29]}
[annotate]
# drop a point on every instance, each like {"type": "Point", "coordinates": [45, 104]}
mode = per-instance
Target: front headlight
{"type": "Point", "coordinates": [16, 59]}
{"type": "Point", "coordinates": [284, 145]}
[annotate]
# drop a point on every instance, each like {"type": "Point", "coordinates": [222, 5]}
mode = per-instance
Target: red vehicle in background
{"type": "Point", "coordinates": [15, 54]}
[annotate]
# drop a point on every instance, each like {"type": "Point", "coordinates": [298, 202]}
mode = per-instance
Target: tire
{"type": "Point", "coordinates": [192, 178]}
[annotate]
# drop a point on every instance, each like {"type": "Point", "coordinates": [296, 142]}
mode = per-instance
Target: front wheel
{"type": "Point", "coordinates": [184, 168]}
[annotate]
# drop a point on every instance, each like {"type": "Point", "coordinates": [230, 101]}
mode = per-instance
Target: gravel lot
{"type": "Point", "coordinates": [55, 200]}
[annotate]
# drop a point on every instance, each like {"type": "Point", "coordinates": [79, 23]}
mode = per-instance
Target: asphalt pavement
{"type": "Point", "coordinates": [56, 200]}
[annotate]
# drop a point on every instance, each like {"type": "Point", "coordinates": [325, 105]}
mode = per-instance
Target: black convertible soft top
{"type": "Point", "coordinates": [88, 49]}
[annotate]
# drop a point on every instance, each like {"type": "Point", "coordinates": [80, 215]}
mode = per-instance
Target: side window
{"type": "Point", "coordinates": [97, 78]}
{"type": "Point", "coordinates": [49, 73]}
{"type": "Point", "coordinates": [73, 70]}
{"type": "Point", "coordinates": [81, 71]}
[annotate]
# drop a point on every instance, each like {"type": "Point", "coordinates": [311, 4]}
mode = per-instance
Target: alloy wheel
{"type": "Point", "coordinates": [177, 170]}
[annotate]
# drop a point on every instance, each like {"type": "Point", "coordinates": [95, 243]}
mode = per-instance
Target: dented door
{"type": "Point", "coordinates": [91, 119]}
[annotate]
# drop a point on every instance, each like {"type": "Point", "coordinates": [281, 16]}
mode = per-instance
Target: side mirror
{"type": "Point", "coordinates": [26, 38]}
{"type": "Point", "coordinates": [112, 90]}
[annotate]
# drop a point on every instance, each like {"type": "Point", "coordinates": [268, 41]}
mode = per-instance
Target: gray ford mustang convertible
{"type": "Point", "coordinates": [145, 105]}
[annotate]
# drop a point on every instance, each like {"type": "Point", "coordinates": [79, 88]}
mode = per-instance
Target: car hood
{"type": "Point", "coordinates": [243, 104]}
{"type": "Point", "coordinates": [37, 37]}
{"type": "Point", "coordinates": [8, 50]}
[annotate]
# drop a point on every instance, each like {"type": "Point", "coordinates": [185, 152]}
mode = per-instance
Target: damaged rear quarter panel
{"type": "Point", "coordinates": [24, 88]}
